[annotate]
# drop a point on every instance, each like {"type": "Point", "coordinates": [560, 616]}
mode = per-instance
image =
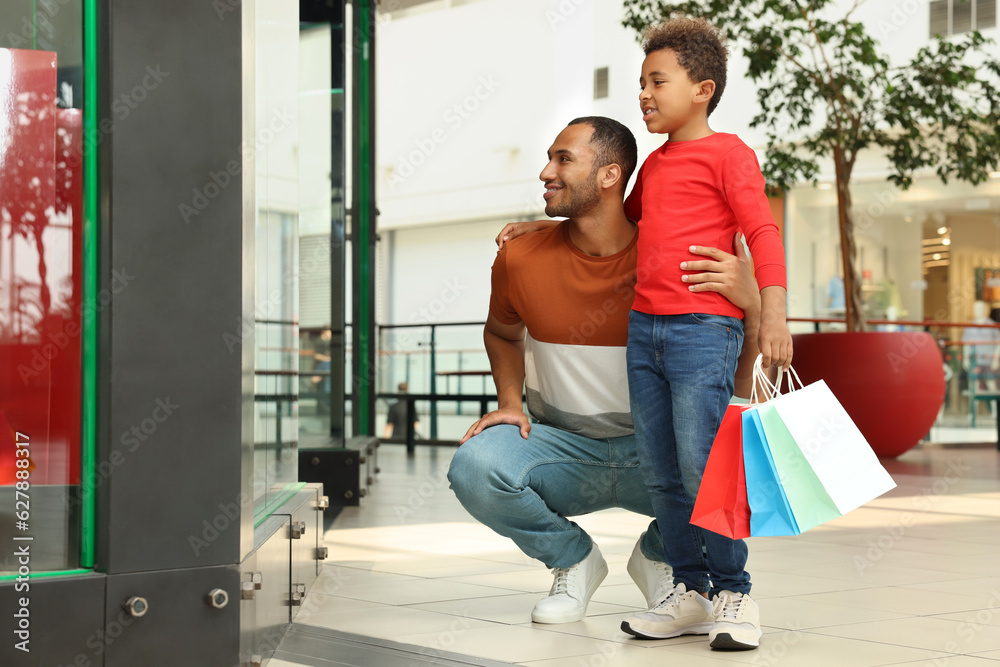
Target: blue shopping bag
{"type": "Point", "coordinates": [770, 513]}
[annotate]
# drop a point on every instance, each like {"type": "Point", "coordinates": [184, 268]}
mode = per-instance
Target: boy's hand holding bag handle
{"type": "Point", "coordinates": [825, 465]}
{"type": "Point", "coordinates": [722, 505]}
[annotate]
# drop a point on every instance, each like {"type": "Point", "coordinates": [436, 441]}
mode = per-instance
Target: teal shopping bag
{"type": "Point", "coordinates": [810, 503]}
{"type": "Point", "coordinates": [770, 513]}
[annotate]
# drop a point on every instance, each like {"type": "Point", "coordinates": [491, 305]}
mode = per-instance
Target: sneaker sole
{"type": "Point", "coordinates": [556, 618]}
{"type": "Point", "coordinates": [725, 642]}
{"type": "Point", "coordinates": [697, 629]}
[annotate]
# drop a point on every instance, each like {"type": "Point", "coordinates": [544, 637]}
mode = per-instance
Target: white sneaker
{"type": "Point", "coordinates": [737, 622]}
{"type": "Point", "coordinates": [571, 590]}
{"type": "Point", "coordinates": [682, 612]}
{"type": "Point", "coordinates": [653, 578]}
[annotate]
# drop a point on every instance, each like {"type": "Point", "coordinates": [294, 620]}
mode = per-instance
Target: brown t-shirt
{"type": "Point", "coordinates": [575, 308]}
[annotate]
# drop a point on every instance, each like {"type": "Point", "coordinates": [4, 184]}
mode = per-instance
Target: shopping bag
{"type": "Point", "coordinates": [841, 460]}
{"type": "Point", "coordinates": [721, 505]}
{"type": "Point", "coordinates": [770, 513]}
{"type": "Point", "coordinates": [808, 499]}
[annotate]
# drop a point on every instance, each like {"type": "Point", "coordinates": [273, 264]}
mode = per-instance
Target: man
{"type": "Point", "coordinates": [557, 327]}
{"type": "Point", "coordinates": [395, 423]}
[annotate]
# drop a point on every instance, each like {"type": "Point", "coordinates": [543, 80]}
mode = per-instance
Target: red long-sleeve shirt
{"type": "Point", "coordinates": [699, 192]}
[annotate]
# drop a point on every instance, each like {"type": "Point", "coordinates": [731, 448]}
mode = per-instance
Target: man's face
{"type": "Point", "coordinates": [570, 177]}
{"type": "Point", "coordinates": [666, 95]}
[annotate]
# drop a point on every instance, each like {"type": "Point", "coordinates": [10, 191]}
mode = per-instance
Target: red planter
{"type": "Point", "coordinates": [891, 383]}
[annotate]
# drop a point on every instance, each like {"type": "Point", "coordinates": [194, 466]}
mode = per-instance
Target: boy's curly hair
{"type": "Point", "coordinates": [699, 46]}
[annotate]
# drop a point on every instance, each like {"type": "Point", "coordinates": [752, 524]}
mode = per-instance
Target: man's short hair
{"type": "Point", "coordinates": [613, 143]}
{"type": "Point", "coordinates": [700, 48]}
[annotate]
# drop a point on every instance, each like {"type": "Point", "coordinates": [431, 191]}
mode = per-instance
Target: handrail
{"type": "Point", "coordinates": [430, 324]}
{"type": "Point", "coordinates": [820, 320]}
{"type": "Point", "coordinates": [908, 323]}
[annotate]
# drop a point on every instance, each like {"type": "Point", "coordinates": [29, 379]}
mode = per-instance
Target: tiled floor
{"type": "Point", "coordinates": [912, 578]}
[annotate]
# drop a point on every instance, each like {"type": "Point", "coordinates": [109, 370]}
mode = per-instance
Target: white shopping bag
{"type": "Point", "coordinates": [833, 446]}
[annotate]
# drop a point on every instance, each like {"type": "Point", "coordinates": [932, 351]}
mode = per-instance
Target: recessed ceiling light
{"type": "Point", "coordinates": [937, 256]}
{"type": "Point", "coordinates": [945, 241]}
{"type": "Point", "coordinates": [942, 230]}
{"type": "Point", "coordinates": [825, 186]}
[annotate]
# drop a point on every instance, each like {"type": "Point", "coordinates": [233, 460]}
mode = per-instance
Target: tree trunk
{"type": "Point", "coordinates": [852, 283]}
{"type": "Point", "coordinates": [45, 297]}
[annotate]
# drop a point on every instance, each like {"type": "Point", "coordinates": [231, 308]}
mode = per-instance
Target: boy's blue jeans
{"type": "Point", "coordinates": [680, 376]}
{"type": "Point", "coordinates": [525, 489]}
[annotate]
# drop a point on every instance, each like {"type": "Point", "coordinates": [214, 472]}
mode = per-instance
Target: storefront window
{"type": "Point", "coordinates": [43, 320]}
{"type": "Point", "coordinates": [929, 259]}
{"type": "Point", "coordinates": [919, 251]}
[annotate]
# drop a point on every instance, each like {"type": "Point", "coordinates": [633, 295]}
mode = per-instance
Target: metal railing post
{"type": "Point", "coordinates": [458, 409]}
{"type": "Point", "coordinates": [434, 411]}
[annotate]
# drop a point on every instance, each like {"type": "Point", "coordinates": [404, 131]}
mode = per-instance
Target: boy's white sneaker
{"type": "Point", "coordinates": [571, 590]}
{"type": "Point", "coordinates": [653, 578]}
{"type": "Point", "coordinates": [682, 612]}
{"type": "Point", "coordinates": [736, 625]}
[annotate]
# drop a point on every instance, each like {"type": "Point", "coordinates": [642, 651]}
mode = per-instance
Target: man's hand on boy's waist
{"type": "Point", "coordinates": [727, 274]}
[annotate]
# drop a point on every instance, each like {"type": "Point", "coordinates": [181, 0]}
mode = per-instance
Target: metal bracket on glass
{"type": "Point", "coordinates": [297, 530]}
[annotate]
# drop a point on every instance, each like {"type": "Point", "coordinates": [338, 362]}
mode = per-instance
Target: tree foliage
{"type": "Point", "coordinates": [827, 91]}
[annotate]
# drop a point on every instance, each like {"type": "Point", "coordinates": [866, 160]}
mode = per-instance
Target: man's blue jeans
{"type": "Point", "coordinates": [680, 376]}
{"type": "Point", "coordinates": [525, 489]}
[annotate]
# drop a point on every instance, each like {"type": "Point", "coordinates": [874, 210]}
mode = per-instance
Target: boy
{"type": "Point", "coordinates": [696, 189]}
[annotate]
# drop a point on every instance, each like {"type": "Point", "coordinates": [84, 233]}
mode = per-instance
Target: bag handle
{"type": "Point", "coordinates": [773, 389]}
{"type": "Point", "coordinates": [761, 379]}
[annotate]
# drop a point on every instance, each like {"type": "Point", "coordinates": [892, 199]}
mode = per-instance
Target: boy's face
{"type": "Point", "coordinates": [570, 178]}
{"type": "Point", "coordinates": [666, 95]}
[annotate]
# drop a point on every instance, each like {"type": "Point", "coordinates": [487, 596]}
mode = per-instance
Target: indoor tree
{"type": "Point", "coordinates": [827, 91]}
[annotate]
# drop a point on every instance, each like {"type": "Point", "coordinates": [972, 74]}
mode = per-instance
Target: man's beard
{"type": "Point", "coordinates": [581, 201]}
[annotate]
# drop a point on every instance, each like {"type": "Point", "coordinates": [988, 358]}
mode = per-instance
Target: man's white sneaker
{"type": "Point", "coordinates": [736, 624]}
{"type": "Point", "coordinates": [682, 612]}
{"type": "Point", "coordinates": [653, 578]}
{"type": "Point", "coordinates": [571, 590]}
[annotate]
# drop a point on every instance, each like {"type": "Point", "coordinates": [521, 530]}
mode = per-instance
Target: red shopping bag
{"type": "Point", "coordinates": [722, 506]}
